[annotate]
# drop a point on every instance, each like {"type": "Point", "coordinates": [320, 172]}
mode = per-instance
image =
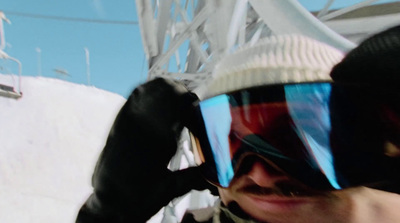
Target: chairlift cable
{"type": "Point", "coordinates": [73, 19]}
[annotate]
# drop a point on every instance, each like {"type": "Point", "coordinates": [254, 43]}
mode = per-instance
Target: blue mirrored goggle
{"type": "Point", "coordinates": [327, 136]}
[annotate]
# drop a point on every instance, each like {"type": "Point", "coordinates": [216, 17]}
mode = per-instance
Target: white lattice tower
{"type": "Point", "coordinates": [183, 39]}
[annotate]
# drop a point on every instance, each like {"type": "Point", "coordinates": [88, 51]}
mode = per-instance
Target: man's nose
{"type": "Point", "coordinates": [264, 174]}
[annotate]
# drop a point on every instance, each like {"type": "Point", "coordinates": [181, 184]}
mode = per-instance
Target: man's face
{"type": "Point", "coordinates": [269, 196]}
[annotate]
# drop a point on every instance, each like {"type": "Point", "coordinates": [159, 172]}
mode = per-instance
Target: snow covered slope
{"type": "Point", "coordinates": [50, 140]}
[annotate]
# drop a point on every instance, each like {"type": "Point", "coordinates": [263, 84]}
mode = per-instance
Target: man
{"type": "Point", "coordinates": [271, 132]}
{"type": "Point", "coordinates": [288, 145]}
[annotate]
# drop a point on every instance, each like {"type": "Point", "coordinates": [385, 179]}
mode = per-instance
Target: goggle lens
{"type": "Point", "coordinates": [291, 126]}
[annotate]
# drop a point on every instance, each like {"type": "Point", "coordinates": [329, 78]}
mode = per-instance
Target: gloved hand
{"type": "Point", "coordinates": [131, 180]}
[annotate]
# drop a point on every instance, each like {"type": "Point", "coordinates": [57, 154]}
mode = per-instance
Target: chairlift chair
{"type": "Point", "coordinates": [7, 90]}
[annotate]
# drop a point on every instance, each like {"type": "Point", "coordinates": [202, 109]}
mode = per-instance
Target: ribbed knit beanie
{"type": "Point", "coordinates": [273, 60]}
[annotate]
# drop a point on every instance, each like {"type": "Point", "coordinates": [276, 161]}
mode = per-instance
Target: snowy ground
{"type": "Point", "coordinates": [50, 140]}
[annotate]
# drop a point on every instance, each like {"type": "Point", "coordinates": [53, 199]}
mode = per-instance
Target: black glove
{"type": "Point", "coordinates": [131, 180]}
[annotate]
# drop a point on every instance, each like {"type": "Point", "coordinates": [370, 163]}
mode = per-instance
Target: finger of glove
{"type": "Point", "coordinates": [150, 121]}
{"type": "Point", "coordinates": [189, 179]}
{"type": "Point", "coordinates": [177, 184]}
{"type": "Point", "coordinates": [188, 111]}
{"type": "Point", "coordinates": [159, 102]}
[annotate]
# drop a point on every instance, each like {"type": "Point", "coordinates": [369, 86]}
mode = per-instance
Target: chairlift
{"type": "Point", "coordinates": [9, 90]}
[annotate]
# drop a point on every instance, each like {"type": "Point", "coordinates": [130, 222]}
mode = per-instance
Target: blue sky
{"type": "Point", "coordinates": [117, 60]}
{"type": "Point", "coordinates": [116, 52]}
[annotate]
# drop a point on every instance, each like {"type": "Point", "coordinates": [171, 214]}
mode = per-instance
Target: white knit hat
{"type": "Point", "coordinates": [274, 60]}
